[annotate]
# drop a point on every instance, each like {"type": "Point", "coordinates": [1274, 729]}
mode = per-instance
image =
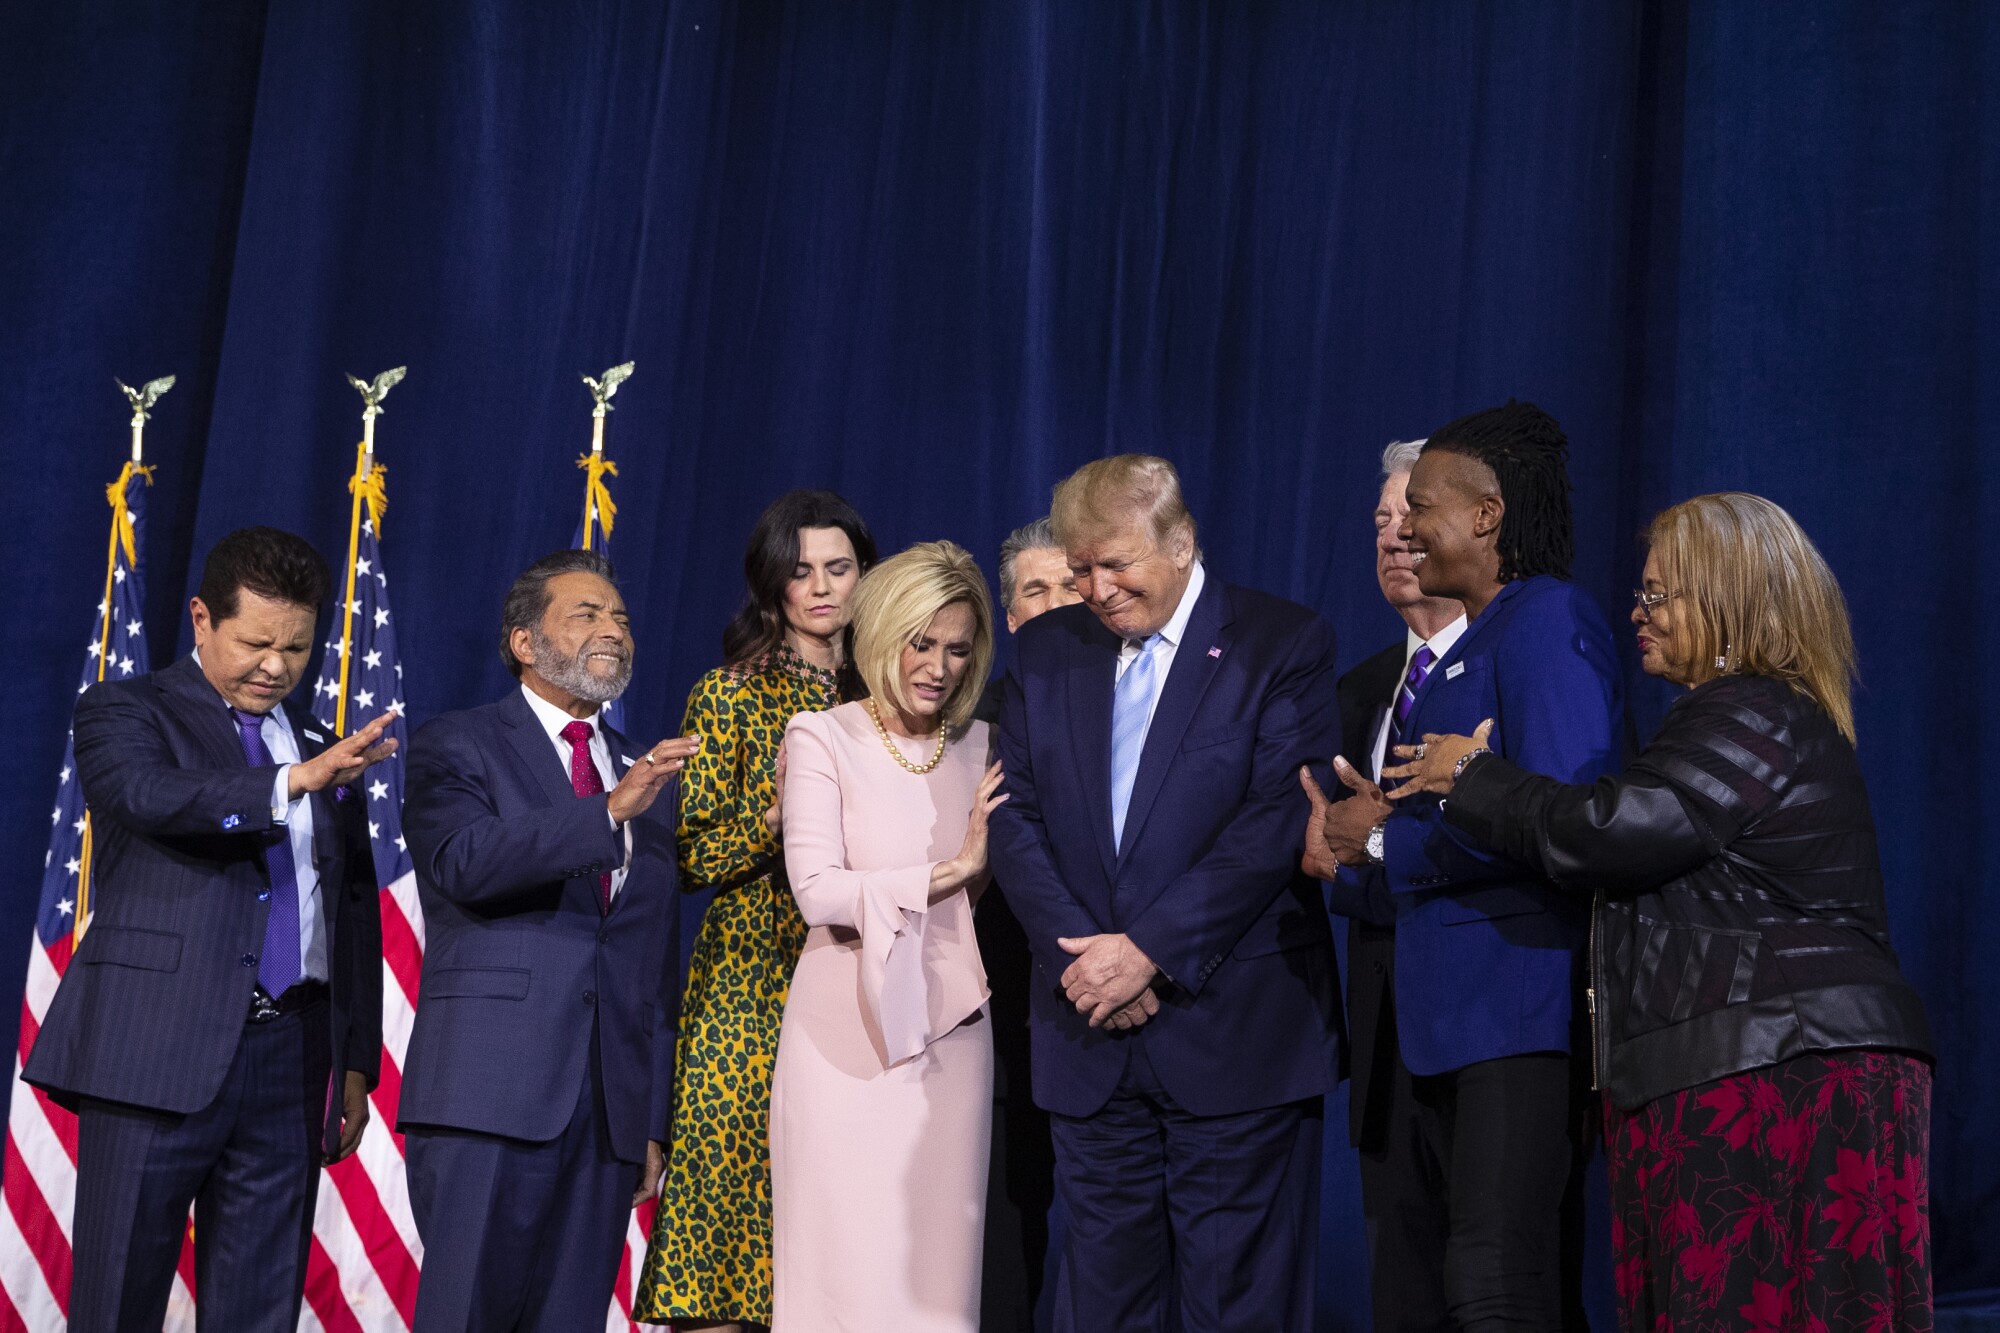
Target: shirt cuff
{"type": "Point", "coordinates": [281, 795]}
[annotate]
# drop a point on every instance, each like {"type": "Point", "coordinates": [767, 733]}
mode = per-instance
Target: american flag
{"type": "Point", "coordinates": [38, 1180]}
{"type": "Point", "coordinates": [362, 1273]}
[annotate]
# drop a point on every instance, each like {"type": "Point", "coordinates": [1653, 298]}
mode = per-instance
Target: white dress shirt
{"type": "Point", "coordinates": [1440, 643]}
{"type": "Point", "coordinates": [1170, 642]}
{"type": "Point", "coordinates": [553, 721]}
{"type": "Point", "coordinates": [296, 818]}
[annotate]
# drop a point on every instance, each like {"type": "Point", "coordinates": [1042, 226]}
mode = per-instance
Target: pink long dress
{"type": "Point", "coordinates": [882, 1100]}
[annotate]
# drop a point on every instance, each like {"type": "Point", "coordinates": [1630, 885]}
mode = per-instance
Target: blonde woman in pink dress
{"type": "Point", "coordinates": [882, 1101]}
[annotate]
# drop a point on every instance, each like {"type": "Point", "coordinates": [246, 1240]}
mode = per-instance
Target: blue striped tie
{"type": "Point", "coordinates": [1131, 708]}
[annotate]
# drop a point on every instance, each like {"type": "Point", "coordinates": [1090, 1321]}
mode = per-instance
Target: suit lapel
{"type": "Point", "coordinates": [531, 746]}
{"type": "Point", "coordinates": [1093, 671]}
{"type": "Point", "coordinates": [1460, 650]}
{"type": "Point", "coordinates": [1194, 667]}
{"type": "Point", "coordinates": [192, 699]}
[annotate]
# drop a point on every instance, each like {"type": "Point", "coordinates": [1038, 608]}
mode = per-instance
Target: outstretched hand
{"type": "Point", "coordinates": [947, 877]}
{"type": "Point", "coordinates": [1432, 766]}
{"type": "Point", "coordinates": [643, 782]}
{"type": "Point", "coordinates": [344, 760]}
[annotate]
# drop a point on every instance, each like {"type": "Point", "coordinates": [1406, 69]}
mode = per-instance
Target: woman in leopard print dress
{"type": "Point", "coordinates": [709, 1264]}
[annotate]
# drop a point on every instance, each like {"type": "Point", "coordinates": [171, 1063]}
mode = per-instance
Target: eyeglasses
{"type": "Point", "coordinates": [1646, 601]}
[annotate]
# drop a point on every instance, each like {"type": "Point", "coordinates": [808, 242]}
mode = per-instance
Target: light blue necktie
{"type": "Point", "coordinates": [1130, 707]}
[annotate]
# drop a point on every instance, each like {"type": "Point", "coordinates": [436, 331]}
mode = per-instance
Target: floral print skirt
{"type": "Point", "coordinates": [1794, 1198]}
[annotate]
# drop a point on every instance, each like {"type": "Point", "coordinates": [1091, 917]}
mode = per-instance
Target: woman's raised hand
{"type": "Point", "coordinates": [970, 863]}
{"type": "Point", "coordinates": [1433, 765]}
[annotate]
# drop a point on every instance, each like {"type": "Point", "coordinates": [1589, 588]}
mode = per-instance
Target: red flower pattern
{"type": "Point", "coordinates": [1792, 1199]}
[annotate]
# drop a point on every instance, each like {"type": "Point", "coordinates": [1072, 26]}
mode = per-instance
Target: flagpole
{"type": "Point", "coordinates": [372, 394]}
{"type": "Point", "coordinates": [596, 453]}
{"type": "Point", "coordinates": [141, 400]}
{"type": "Point", "coordinates": [601, 390]}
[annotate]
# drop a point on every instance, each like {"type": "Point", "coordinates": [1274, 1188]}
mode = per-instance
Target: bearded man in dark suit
{"type": "Point", "coordinates": [539, 1083]}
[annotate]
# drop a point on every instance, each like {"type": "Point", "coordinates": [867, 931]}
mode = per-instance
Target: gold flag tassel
{"type": "Point", "coordinates": [125, 537]}
{"type": "Point", "coordinates": [597, 507]}
{"type": "Point", "coordinates": [370, 488]}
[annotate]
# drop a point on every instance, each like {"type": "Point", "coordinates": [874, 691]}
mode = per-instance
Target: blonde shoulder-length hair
{"type": "Point", "coordinates": [894, 603]}
{"type": "Point", "coordinates": [1755, 597]}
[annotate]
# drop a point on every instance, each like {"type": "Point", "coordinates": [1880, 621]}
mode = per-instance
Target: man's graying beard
{"type": "Point", "coordinates": [574, 674]}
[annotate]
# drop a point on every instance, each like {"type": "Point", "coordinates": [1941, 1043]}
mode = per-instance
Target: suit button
{"type": "Point", "coordinates": [264, 897]}
{"type": "Point", "coordinates": [604, 937]}
{"type": "Point", "coordinates": [249, 960]}
{"type": "Point", "coordinates": [590, 997]}
{"type": "Point", "coordinates": [1378, 969]}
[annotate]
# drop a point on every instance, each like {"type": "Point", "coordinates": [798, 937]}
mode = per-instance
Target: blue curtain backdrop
{"type": "Point", "coordinates": [934, 256]}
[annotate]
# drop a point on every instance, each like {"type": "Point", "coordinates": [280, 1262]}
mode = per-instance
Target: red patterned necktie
{"type": "Point", "coordinates": [585, 780]}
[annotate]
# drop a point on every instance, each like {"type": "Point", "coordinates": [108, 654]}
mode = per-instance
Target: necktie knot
{"type": "Point", "coordinates": [249, 722]}
{"type": "Point", "coordinates": [1421, 662]}
{"type": "Point", "coordinates": [577, 733]}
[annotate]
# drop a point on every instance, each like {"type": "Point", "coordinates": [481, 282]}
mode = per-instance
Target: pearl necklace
{"type": "Point", "coordinates": [896, 753]}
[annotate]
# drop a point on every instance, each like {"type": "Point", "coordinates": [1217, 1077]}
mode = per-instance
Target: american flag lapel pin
{"type": "Point", "coordinates": [1215, 652]}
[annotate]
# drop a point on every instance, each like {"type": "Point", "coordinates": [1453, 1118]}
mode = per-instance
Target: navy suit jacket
{"type": "Point", "coordinates": [153, 1004]}
{"type": "Point", "coordinates": [519, 962]}
{"type": "Point", "coordinates": [1208, 884]}
{"type": "Point", "coordinates": [1487, 954]}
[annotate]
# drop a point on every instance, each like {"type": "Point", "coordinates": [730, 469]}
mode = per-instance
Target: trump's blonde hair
{"type": "Point", "coordinates": [1753, 595]}
{"type": "Point", "coordinates": [1099, 497]}
{"type": "Point", "coordinates": [896, 601]}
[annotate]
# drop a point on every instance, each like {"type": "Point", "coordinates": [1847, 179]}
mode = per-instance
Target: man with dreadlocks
{"type": "Point", "coordinates": [1474, 1210]}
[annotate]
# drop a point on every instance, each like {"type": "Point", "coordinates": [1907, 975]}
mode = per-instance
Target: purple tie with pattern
{"type": "Point", "coordinates": [278, 966]}
{"type": "Point", "coordinates": [1406, 697]}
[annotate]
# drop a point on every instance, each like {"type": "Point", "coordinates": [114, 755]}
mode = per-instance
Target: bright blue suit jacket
{"type": "Point", "coordinates": [1488, 956]}
{"type": "Point", "coordinates": [520, 966]}
{"type": "Point", "coordinates": [1208, 883]}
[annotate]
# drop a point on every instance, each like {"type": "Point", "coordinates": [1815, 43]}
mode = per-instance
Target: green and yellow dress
{"type": "Point", "coordinates": [710, 1257]}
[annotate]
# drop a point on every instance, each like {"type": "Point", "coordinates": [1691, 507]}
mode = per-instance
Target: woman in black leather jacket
{"type": "Point", "coordinates": [1766, 1066]}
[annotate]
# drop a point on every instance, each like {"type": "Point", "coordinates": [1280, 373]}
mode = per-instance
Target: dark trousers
{"type": "Point", "coordinates": [249, 1164]}
{"type": "Point", "coordinates": [1474, 1198]}
{"type": "Point", "coordinates": [1020, 1182]}
{"type": "Point", "coordinates": [1216, 1214]}
{"type": "Point", "coordinates": [519, 1237]}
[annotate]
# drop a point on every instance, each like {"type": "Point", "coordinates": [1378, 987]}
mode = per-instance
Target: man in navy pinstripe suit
{"type": "Point", "coordinates": [219, 1028]}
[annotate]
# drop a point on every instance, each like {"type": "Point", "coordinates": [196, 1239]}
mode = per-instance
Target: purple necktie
{"type": "Point", "coordinates": [278, 966]}
{"type": "Point", "coordinates": [1406, 697]}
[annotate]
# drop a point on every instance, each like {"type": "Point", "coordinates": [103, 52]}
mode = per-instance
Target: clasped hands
{"type": "Point", "coordinates": [1337, 832]}
{"type": "Point", "coordinates": [1111, 981]}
